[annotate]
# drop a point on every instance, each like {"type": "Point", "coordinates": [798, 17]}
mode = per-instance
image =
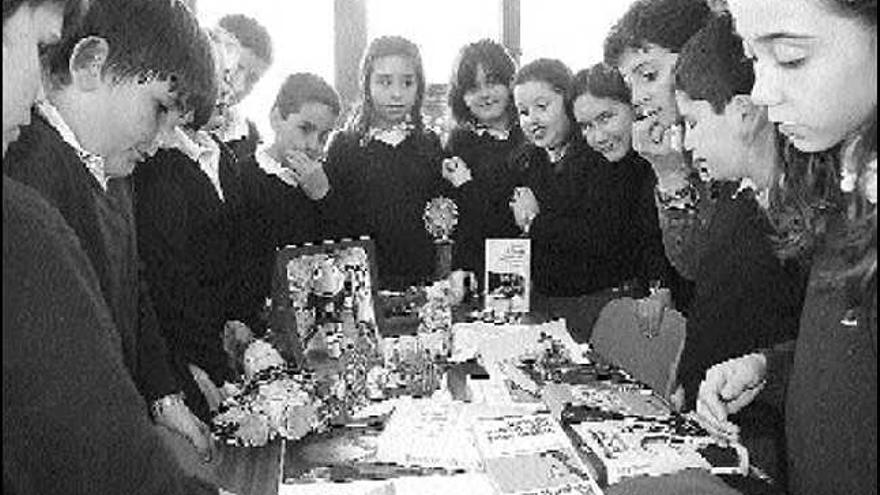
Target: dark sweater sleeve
{"type": "Point", "coordinates": [285, 214]}
{"type": "Point", "coordinates": [191, 316]}
{"type": "Point", "coordinates": [339, 216]}
{"type": "Point", "coordinates": [473, 208]}
{"type": "Point", "coordinates": [780, 358]}
{"type": "Point", "coordinates": [155, 376]}
{"type": "Point", "coordinates": [574, 222]}
{"type": "Point", "coordinates": [570, 228]}
{"type": "Point", "coordinates": [745, 300]}
{"type": "Point", "coordinates": [72, 417]}
{"type": "Point", "coordinates": [648, 241]}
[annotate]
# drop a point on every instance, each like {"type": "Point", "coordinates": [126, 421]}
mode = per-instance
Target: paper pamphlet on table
{"type": "Point", "coordinates": [507, 278]}
{"type": "Point", "coordinates": [466, 483]}
{"type": "Point", "coordinates": [608, 397]}
{"type": "Point", "coordinates": [530, 454]}
{"type": "Point", "coordinates": [493, 343]}
{"type": "Point", "coordinates": [428, 432]}
{"type": "Point", "coordinates": [644, 447]}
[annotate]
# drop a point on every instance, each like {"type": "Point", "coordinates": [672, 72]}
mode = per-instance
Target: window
{"type": "Point", "coordinates": [302, 41]}
{"type": "Point", "coordinates": [439, 28]}
{"type": "Point", "coordinates": [570, 30]}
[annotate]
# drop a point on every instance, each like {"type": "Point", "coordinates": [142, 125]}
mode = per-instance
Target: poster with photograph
{"type": "Point", "coordinates": [508, 275]}
{"type": "Point", "coordinates": [324, 295]}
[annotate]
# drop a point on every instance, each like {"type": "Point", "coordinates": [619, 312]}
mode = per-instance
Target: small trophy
{"type": "Point", "coordinates": [441, 217]}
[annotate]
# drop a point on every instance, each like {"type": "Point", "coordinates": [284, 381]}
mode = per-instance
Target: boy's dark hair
{"type": "Point", "coordinates": [148, 40]}
{"type": "Point", "coordinates": [73, 9]}
{"type": "Point", "coordinates": [301, 88]}
{"type": "Point", "coordinates": [496, 63]}
{"type": "Point", "coordinates": [553, 72]}
{"type": "Point", "coordinates": [712, 65]}
{"type": "Point", "coordinates": [250, 33]}
{"type": "Point", "coordinates": [601, 81]}
{"type": "Point", "coordinates": [665, 23]}
{"type": "Point", "coordinates": [387, 46]}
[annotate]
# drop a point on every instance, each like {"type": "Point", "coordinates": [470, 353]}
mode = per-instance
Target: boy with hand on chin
{"type": "Point", "coordinates": [285, 179]}
{"type": "Point", "coordinates": [111, 86]}
{"type": "Point", "coordinates": [294, 182]}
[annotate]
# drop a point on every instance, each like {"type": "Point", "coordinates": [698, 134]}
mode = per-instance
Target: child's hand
{"type": "Point", "coordinates": [456, 171]}
{"type": "Point", "coordinates": [650, 311]}
{"type": "Point", "coordinates": [727, 388]}
{"type": "Point", "coordinates": [662, 146]}
{"type": "Point", "coordinates": [176, 416]}
{"type": "Point", "coordinates": [308, 173]}
{"type": "Point", "coordinates": [525, 207]}
{"type": "Point", "coordinates": [212, 394]}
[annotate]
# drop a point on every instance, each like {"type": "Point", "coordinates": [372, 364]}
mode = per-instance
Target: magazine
{"type": "Point", "coordinates": [508, 275]}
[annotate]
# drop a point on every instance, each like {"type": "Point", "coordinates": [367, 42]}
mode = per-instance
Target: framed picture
{"type": "Point", "coordinates": [324, 295]}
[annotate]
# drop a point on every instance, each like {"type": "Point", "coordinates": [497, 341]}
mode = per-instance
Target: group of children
{"type": "Point", "coordinates": [142, 213]}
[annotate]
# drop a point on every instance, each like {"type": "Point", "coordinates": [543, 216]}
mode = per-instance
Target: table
{"type": "Point", "coordinates": [256, 471]}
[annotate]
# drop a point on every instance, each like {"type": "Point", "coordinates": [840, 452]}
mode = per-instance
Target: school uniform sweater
{"type": "Point", "coordinates": [198, 251]}
{"type": "Point", "coordinates": [104, 222]}
{"type": "Point", "coordinates": [591, 223]}
{"type": "Point", "coordinates": [381, 190]}
{"type": "Point", "coordinates": [483, 202]}
{"type": "Point", "coordinates": [279, 215]}
{"type": "Point", "coordinates": [73, 420]}
{"type": "Point", "coordinates": [745, 297]}
{"type": "Point", "coordinates": [831, 399]}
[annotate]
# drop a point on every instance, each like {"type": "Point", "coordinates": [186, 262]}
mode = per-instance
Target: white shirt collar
{"type": "Point", "coordinates": [93, 162]}
{"type": "Point", "coordinates": [493, 132]}
{"type": "Point", "coordinates": [273, 167]}
{"type": "Point", "coordinates": [555, 155]}
{"type": "Point", "coordinates": [235, 127]}
{"type": "Point", "coordinates": [762, 196]}
{"type": "Point", "coordinates": [202, 149]}
{"type": "Point", "coordinates": [391, 136]}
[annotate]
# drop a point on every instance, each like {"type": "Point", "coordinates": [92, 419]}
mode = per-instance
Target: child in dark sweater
{"type": "Point", "coordinates": [385, 166]}
{"type": "Point", "coordinates": [485, 134]}
{"type": "Point", "coordinates": [576, 206]}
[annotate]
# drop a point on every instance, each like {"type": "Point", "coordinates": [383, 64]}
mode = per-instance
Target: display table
{"type": "Point", "coordinates": [263, 471]}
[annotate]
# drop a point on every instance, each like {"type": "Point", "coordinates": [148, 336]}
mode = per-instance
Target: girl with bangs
{"type": "Point", "coordinates": [484, 134]}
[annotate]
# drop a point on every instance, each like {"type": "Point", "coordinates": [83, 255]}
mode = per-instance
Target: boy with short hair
{"type": "Point", "coordinates": [112, 84]}
{"type": "Point", "coordinates": [304, 114]}
{"type": "Point", "coordinates": [746, 297]}
{"type": "Point", "coordinates": [289, 176]}
{"type": "Point", "coordinates": [253, 58]}
{"type": "Point", "coordinates": [644, 45]}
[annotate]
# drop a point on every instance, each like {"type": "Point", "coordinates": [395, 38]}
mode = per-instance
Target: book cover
{"type": "Point", "coordinates": [530, 454]}
{"type": "Point", "coordinates": [507, 279]}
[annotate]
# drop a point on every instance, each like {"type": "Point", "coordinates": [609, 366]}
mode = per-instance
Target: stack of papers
{"type": "Point", "coordinates": [651, 447]}
{"type": "Point", "coordinates": [428, 432]}
{"type": "Point", "coordinates": [468, 483]}
{"type": "Point", "coordinates": [530, 454]}
{"type": "Point", "coordinates": [491, 343]}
